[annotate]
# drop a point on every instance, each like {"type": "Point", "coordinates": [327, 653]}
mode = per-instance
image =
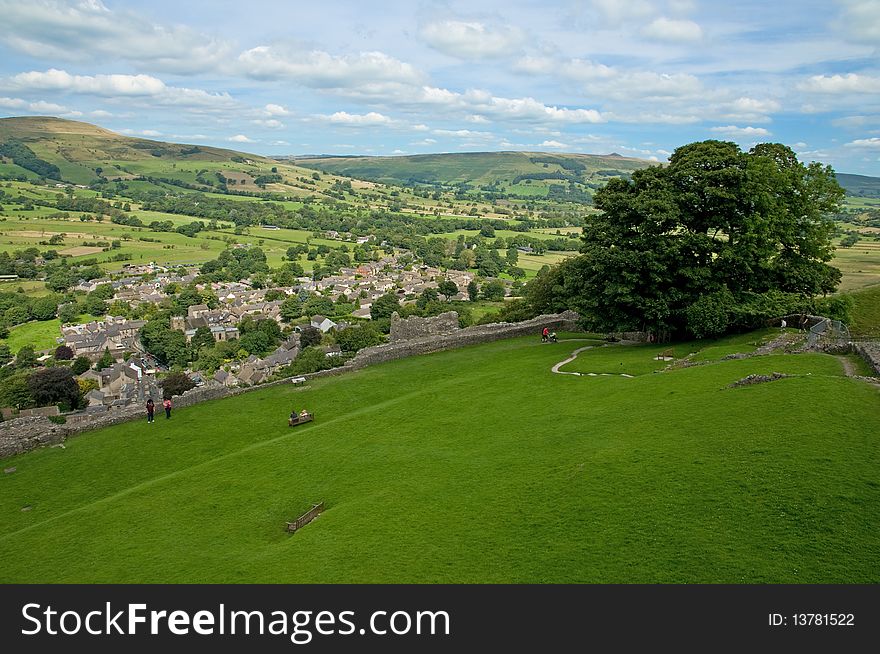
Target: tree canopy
{"type": "Point", "coordinates": [686, 246]}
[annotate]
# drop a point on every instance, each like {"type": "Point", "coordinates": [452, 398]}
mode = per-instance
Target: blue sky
{"type": "Point", "coordinates": [637, 77]}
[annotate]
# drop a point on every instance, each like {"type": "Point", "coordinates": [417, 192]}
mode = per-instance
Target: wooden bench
{"type": "Point", "coordinates": [305, 518]}
{"type": "Point", "coordinates": [300, 420]}
{"type": "Point", "coordinates": [298, 380]}
{"type": "Point", "coordinates": [666, 355]}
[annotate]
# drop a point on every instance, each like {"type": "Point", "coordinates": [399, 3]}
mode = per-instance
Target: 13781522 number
{"type": "Point", "coordinates": [823, 619]}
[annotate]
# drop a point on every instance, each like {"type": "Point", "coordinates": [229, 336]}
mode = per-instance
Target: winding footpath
{"type": "Point", "coordinates": [574, 356]}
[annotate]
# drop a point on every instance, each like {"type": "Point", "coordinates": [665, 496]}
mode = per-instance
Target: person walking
{"type": "Point", "coordinates": [167, 405]}
{"type": "Point", "coordinates": [150, 409]}
{"type": "Point", "coordinates": [545, 334]}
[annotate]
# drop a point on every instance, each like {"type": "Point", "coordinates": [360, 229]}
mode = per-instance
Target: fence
{"type": "Point", "coordinates": [305, 518]}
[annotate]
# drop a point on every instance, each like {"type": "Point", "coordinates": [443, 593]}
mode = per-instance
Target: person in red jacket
{"type": "Point", "coordinates": [545, 335]}
{"type": "Point", "coordinates": [150, 409]}
{"type": "Point", "coordinates": [167, 405]}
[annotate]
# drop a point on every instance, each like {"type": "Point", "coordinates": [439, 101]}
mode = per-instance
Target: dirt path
{"type": "Point", "coordinates": [574, 356]}
{"type": "Point", "coordinates": [848, 368]}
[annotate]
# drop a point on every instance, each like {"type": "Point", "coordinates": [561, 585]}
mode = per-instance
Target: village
{"type": "Point", "coordinates": [132, 377]}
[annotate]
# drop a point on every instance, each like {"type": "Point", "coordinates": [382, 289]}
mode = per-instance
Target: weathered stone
{"type": "Point", "coordinates": [407, 329]}
{"type": "Point", "coordinates": [758, 379]}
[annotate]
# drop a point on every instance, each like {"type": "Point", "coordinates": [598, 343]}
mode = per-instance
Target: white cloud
{"type": "Point", "coordinates": [278, 143]}
{"type": "Point", "coordinates": [472, 39]}
{"type": "Point", "coordinates": [38, 107]}
{"type": "Point", "coordinates": [271, 123]}
{"type": "Point", "coordinates": [116, 86]}
{"type": "Point", "coordinates": [872, 143]}
{"type": "Point", "coordinates": [276, 110]}
{"type": "Point", "coordinates": [599, 80]}
{"type": "Point", "coordinates": [852, 122]}
{"type": "Point", "coordinates": [320, 69]}
{"type": "Point", "coordinates": [675, 31]}
{"type": "Point", "coordinates": [424, 142]}
{"type": "Point", "coordinates": [464, 134]}
{"type": "Point", "coordinates": [740, 132]}
{"type": "Point", "coordinates": [89, 31]}
{"type": "Point", "coordinates": [552, 144]}
{"type": "Point", "coordinates": [837, 84]}
{"type": "Point", "coordinates": [614, 13]}
{"type": "Point", "coordinates": [346, 119]}
{"type": "Point", "coordinates": [240, 138]}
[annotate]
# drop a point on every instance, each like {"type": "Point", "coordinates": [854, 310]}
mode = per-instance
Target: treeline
{"type": "Point", "coordinates": [23, 156]}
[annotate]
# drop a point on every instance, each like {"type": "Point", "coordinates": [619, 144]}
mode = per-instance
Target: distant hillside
{"type": "Point", "coordinates": [79, 150]}
{"type": "Point", "coordinates": [484, 169]}
{"type": "Point", "coordinates": [860, 186]}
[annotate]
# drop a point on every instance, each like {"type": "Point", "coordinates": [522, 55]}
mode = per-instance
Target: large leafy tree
{"type": "Point", "coordinates": [714, 228]}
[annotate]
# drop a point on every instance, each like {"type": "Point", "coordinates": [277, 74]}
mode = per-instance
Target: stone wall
{"type": "Point", "coordinates": [24, 434]}
{"type": "Point", "coordinates": [407, 329]}
{"type": "Point", "coordinates": [870, 352]}
{"type": "Point", "coordinates": [461, 337]}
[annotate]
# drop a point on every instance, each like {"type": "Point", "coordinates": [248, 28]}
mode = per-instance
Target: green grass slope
{"type": "Point", "coordinates": [474, 465]}
{"type": "Point", "coordinates": [866, 312]}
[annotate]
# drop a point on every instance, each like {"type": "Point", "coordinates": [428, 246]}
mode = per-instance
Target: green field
{"type": "Point", "coordinates": [474, 465]}
{"type": "Point", "coordinates": [866, 312]}
{"type": "Point", "coordinates": [40, 334]}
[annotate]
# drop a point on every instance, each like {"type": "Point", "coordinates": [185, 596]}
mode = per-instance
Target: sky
{"type": "Point", "coordinates": [636, 77]}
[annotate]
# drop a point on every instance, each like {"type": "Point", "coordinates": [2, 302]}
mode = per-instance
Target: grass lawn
{"type": "Point", "coordinates": [866, 312]}
{"type": "Point", "coordinates": [41, 334]}
{"type": "Point", "coordinates": [474, 465]}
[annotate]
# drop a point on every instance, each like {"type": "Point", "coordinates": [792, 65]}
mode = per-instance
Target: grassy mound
{"type": "Point", "coordinates": [475, 465]}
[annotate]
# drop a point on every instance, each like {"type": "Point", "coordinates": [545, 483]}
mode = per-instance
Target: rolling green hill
{"type": "Point", "coordinates": [504, 169]}
{"type": "Point", "coordinates": [859, 185]}
{"type": "Point", "coordinates": [85, 153]}
{"type": "Point", "coordinates": [475, 465]}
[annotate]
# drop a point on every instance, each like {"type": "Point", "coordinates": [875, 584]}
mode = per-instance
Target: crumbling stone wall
{"type": "Point", "coordinates": [461, 337]}
{"type": "Point", "coordinates": [870, 352]}
{"type": "Point", "coordinates": [407, 329]}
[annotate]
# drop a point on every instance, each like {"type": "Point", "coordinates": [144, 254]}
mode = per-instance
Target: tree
{"type": "Point", "coordinates": [176, 383]}
{"type": "Point", "coordinates": [716, 220]}
{"type": "Point", "coordinates": [80, 365]}
{"type": "Point", "coordinates": [494, 290]}
{"type": "Point", "coordinates": [357, 337]}
{"type": "Point", "coordinates": [63, 353]}
{"type": "Point", "coordinates": [44, 308]}
{"type": "Point", "coordinates": [15, 391]}
{"type": "Point", "coordinates": [94, 305]}
{"type": "Point", "coordinates": [309, 336]}
{"type": "Point", "coordinates": [428, 295]}
{"type": "Point", "coordinates": [473, 291]}
{"type": "Point", "coordinates": [255, 342]}
{"type": "Point", "coordinates": [5, 354]}
{"type": "Point", "coordinates": [318, 305]}
{"type": "Point", "coordinates": [54, 386]}
{"type": "Point", "coordinates": [69, 312]}
{"type": "Point", "coordinates": [384, 306]}
{"type": "Point", "coordinates": [203, 338]}
{"type": "Point", "coordinates": [26, 357]}
{"type": "Point", "coordinates": [447, 288]}
{"type": "Point", "coordinates": [291, 308]}
{"type": "Point", "coordinates": [105, 361]}
{"type": "Point", "coordinates": [59, 280]}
